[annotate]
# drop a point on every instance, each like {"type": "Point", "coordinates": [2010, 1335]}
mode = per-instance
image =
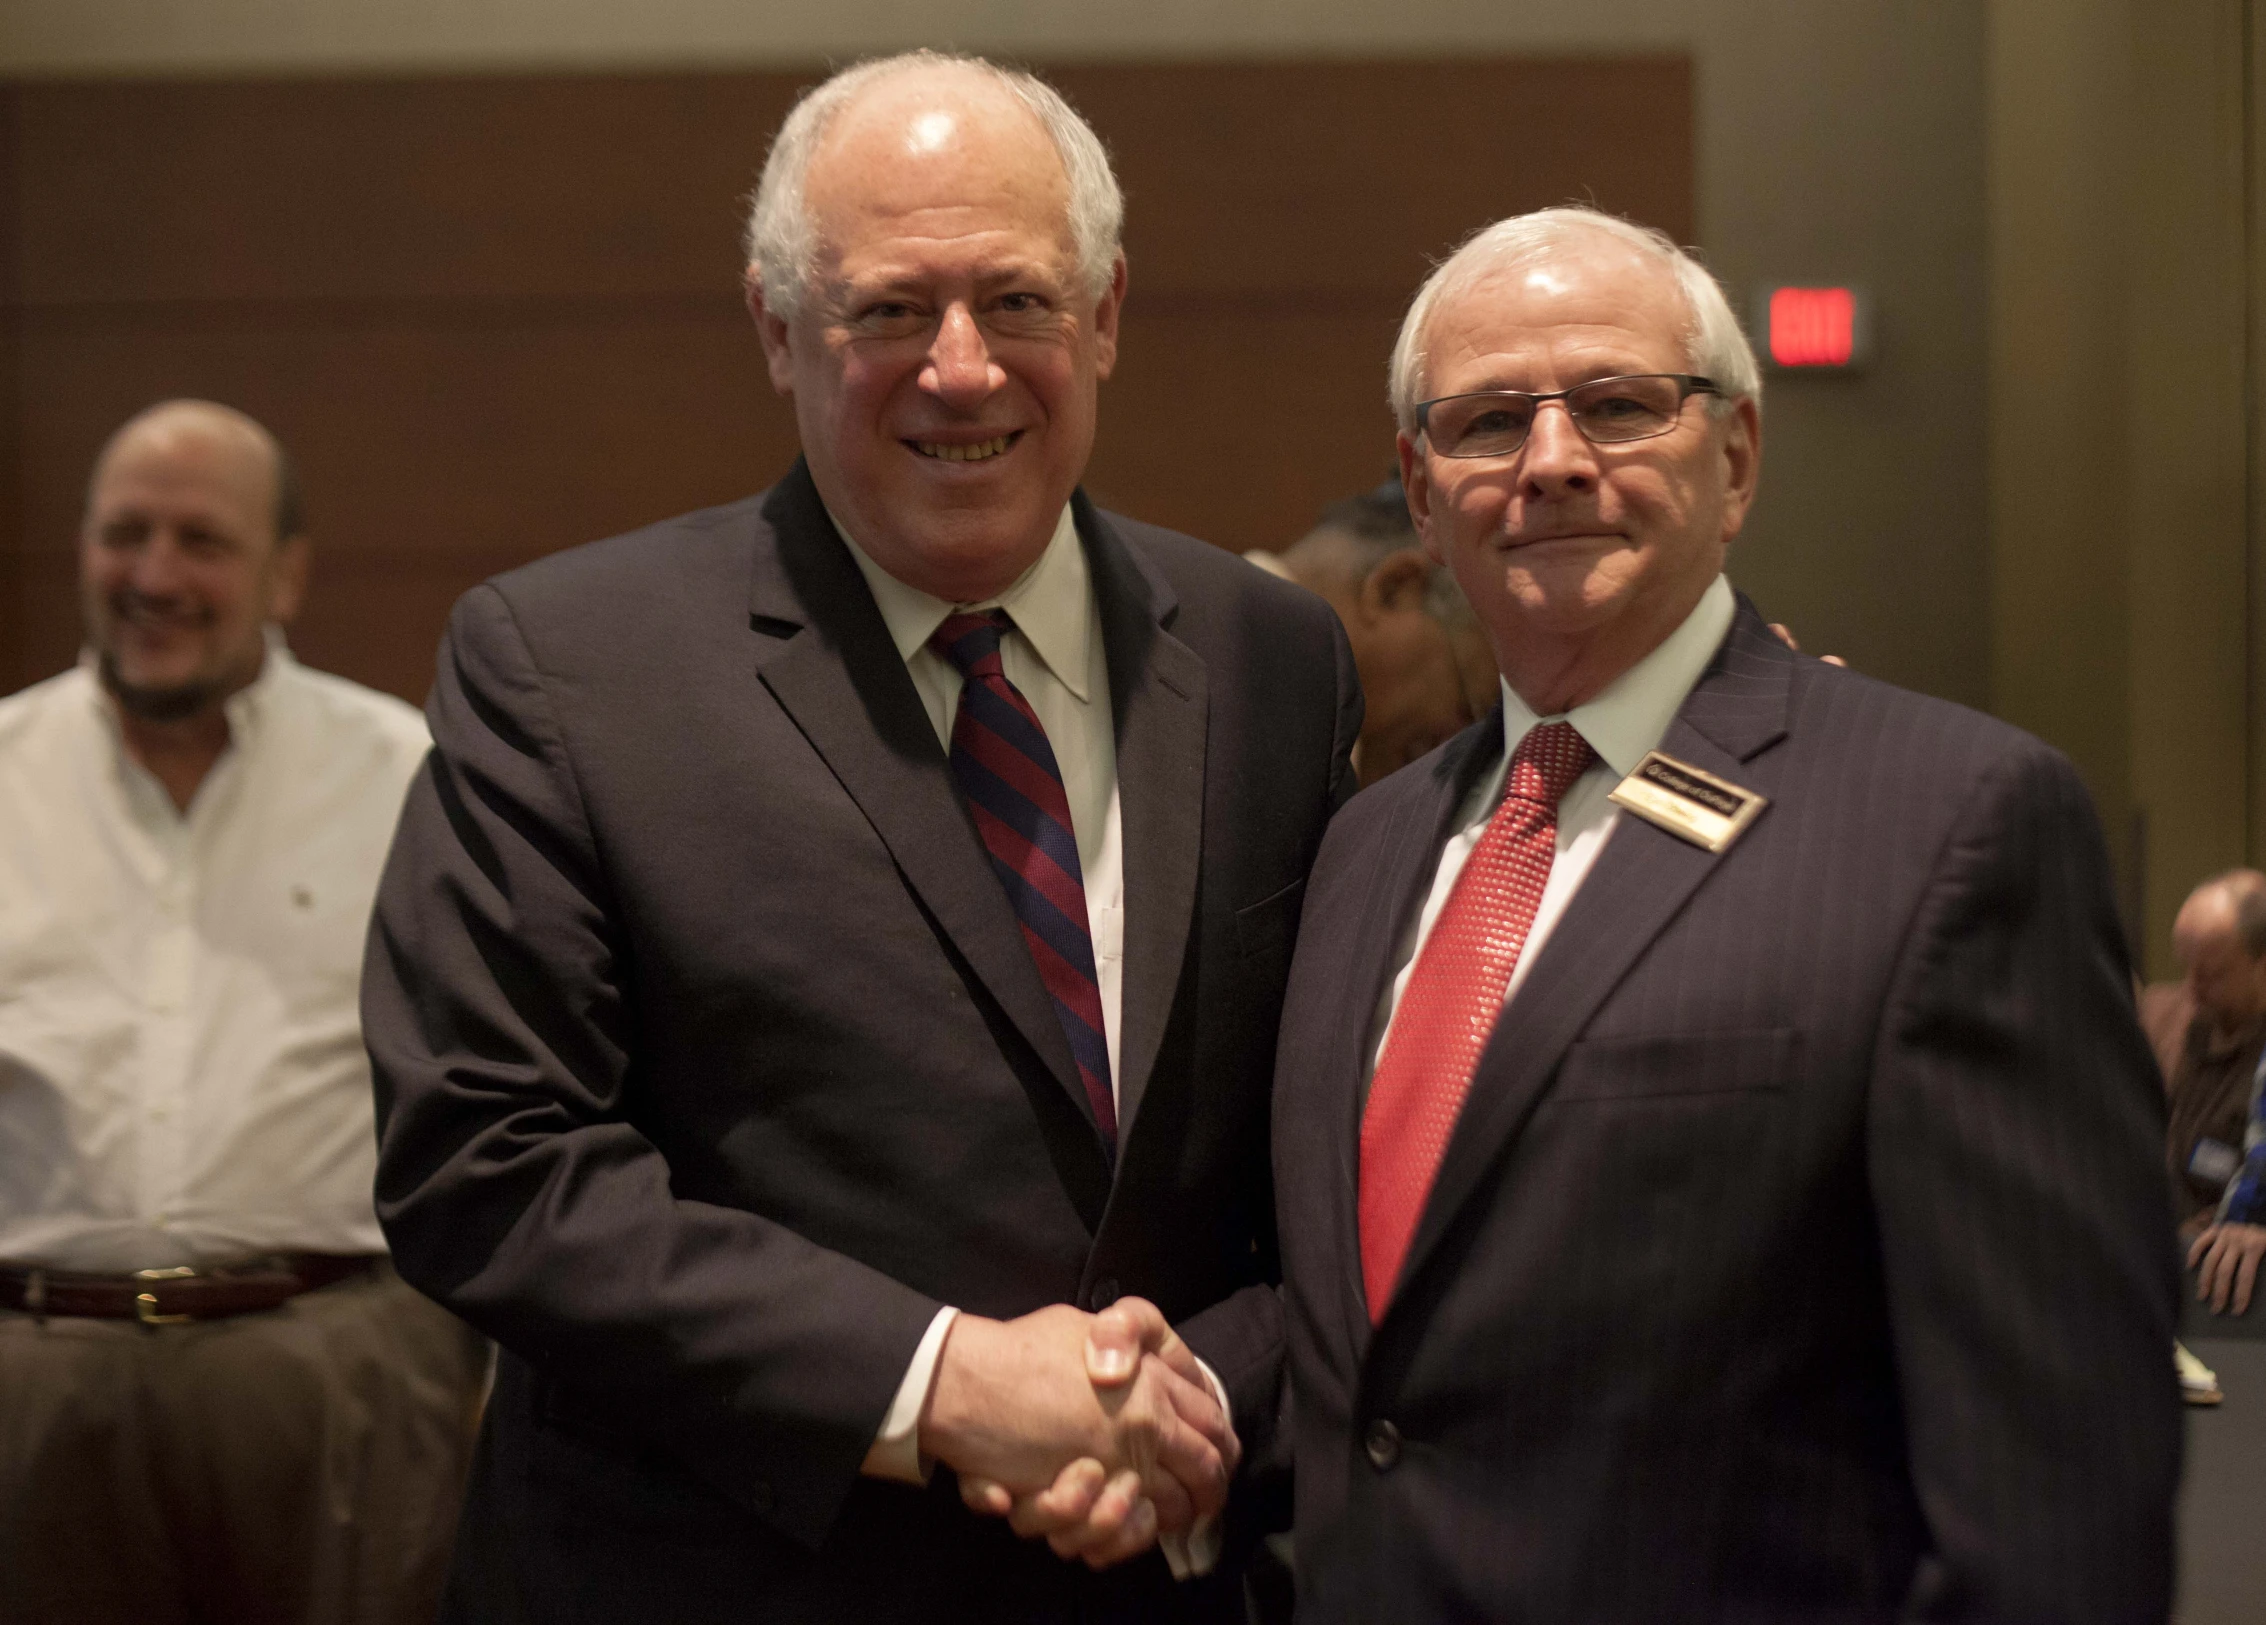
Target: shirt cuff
{"type": "Point", "coordinates": [896, 1449]}
{"type": "Point", "coordinates": [1197, 1551]}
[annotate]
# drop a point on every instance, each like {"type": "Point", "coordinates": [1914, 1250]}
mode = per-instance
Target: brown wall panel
{"type": "Point", "coordinates": [1239, 426]}
{"type": "Point", "coordinates": [494, 317]}
{"type": "Point", "coordinates": [489, 444]}
{"type": "Point", "coordinates": [467, 188]}
{"type": "Point", "coordinates": [1257, 178]}
{"type": "Point", "coordinates": [13, 626]}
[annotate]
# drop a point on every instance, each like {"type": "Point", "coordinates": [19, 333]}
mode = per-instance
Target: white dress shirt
{"type": "Point", "coordinates": [1056, 660]}
{"type": "Point", "coordinates": [182, 1078]}
{"type": "Point", "coordinates": [1627, 719]}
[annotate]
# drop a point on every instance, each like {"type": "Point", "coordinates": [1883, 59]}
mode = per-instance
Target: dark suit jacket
{"type": "Point", "coordinates": [710, 1060]}
{"type": "Point", "coordinates": [1800, 1252]}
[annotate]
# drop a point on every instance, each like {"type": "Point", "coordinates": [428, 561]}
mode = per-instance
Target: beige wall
{"type": "Point", "coordinates": [2124, 620]}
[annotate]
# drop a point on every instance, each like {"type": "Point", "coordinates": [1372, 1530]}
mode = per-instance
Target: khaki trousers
{"type": "Point", "coordinates": [302, 1466]}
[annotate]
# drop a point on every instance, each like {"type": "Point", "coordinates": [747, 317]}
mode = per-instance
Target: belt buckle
{"type": "Point", "coordinates": [145, 1303]}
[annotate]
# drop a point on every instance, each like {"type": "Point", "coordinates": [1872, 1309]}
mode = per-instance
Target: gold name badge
{"type": "Point", "coordinates": [1685, 801]}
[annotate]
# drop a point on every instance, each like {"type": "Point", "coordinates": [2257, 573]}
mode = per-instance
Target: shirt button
{"type": "Point", "coordinates": [1383, 1444]}
{"type": "Point", "coordinates": [1105, 1293]}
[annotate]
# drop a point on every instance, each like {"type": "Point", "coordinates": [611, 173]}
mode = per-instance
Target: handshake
{"type": "Point", "coordinates": [1098, 1433]}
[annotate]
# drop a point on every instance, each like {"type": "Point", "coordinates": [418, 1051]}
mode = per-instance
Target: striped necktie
{"type": "Point", "coordinates": [1452, 1001]}
{"type": "Point", "coordinates": [1007, 776]}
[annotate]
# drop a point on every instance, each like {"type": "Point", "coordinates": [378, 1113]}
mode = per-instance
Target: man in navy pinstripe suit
{"type": "Point", "coordinates": [1716, 1160]}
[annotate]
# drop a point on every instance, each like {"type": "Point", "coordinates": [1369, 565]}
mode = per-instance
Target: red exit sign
{"type": "Point", "coordinates": [1814, 329]}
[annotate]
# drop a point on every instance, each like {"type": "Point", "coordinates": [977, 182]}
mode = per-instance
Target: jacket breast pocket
{"type": "Point", "coordinates": [1269, 925]}
{"type": "Point", "coordinates": [1744, 1061]}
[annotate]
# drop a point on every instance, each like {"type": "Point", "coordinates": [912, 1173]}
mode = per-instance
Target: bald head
{"type": "Point", "coordinates": [889, 159]}
{"type": "Point", "coordinates": [236, 438]}
{"type": "Point", "coordinates": [191, 545]}
{"type": "Point", "coordinates": [2220, 938]}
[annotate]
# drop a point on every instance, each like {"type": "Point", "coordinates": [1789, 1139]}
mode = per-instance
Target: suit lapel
{"type": "Point", "coordinates": [828, 659]}
{"type": "Point", "coordinates": [1639, 883]}
{"type": "Point", "coordinates": [1409, 851]}
{"type": "Point", "coordinates": [1158, 700]}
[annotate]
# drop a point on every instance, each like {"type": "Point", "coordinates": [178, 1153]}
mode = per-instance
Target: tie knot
{"type": "Point", "coordinates": [1546, 764]}
{"type": "Point", "coordinates": [971, 641]}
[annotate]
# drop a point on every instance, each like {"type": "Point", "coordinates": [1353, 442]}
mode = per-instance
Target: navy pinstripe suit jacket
{"type": "Point", "coordinates": [1800, 1252]}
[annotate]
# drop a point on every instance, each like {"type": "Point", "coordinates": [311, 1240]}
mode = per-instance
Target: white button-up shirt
{"type": "Point", "coordinates": [1054, 657]}
{"type": "Point", "coordinates": [182, 1078]}
{"type": "Point", "coordinates": [1627, 719]}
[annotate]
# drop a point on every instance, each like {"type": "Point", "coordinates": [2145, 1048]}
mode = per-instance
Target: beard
{"type": "Point", "coordinates": [161, 705]}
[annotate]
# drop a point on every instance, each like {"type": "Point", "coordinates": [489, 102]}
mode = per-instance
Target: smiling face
{"type": "Point", "coordinates": [1579, 559]}
{"type": "Point", "coordinates": [179, 564]}
{"type": "Point", "coordinates": [945, 359]}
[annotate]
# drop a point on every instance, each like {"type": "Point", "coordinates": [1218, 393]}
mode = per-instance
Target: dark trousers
{"type": "Point", "coordinates": [302, 1466]}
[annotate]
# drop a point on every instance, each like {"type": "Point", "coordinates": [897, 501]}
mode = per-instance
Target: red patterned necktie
{"type": "Point", "coordinates": [1453, 998]}
{"type": "Point", "coordinates": [1007, 776]}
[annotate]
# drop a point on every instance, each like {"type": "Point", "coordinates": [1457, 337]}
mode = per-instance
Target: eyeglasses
{"type": "Point", "coordinates": [1608, 411]}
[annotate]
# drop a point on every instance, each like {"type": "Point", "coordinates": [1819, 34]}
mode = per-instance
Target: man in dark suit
{"type": "Point", "coordinates": [1715, 1157]}
{"type": "Point", "coordinates": [837, 943]}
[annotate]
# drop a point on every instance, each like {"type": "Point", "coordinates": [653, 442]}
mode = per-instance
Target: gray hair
{"type": "Point", "coordinates": [1714, 344]}
{"type": "Point", "coordinates": [782, 241]}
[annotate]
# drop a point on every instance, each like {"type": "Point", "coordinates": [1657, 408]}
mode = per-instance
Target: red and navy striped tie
{"type": "Point", "coordinates": [1007, 775]}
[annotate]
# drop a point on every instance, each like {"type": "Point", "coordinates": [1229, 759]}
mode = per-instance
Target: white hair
{"type": "Point", "coordinates": [782, 241]}
{"type": "Point", "coordinates": [1714, 344]}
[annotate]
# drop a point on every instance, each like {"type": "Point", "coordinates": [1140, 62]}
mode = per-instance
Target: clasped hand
{"type": "Point", "coordinates": [1097, 1432]}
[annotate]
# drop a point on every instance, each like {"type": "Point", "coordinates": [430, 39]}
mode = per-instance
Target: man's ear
{"type": "Point", "coordinates": [772, 329]}
{"type": "Point", "coordinates": [1107, 309]}
{"type": "Point", "coordinates": [1397, 584]}
{"type": "Point", "coordinates": [287, 582]}
{"type": "Point", "coordinates": [1742, 463]}
{"type": "Point", "coordinates": [1417, 488]}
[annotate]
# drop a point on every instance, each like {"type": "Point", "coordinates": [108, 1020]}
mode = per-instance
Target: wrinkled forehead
{"type": "Point", "coordinates": [186, 460]}
{"type": "Point", "coordinates": [930, 140]}
{"type": "Point", "coordinates": [1505, 304]}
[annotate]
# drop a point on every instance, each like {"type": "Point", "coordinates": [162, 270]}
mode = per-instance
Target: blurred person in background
{"type": "Point", "coordinates": [217, 1400]}
{"type": "Point", "coordinates": [2219, 937]}
{"type": "Point", "coordinates": [2216, 1149]}
{"type": "Point", "coordinates": [1426, 673]}
{"type": "Point", "coordinates": [2225, 1255]}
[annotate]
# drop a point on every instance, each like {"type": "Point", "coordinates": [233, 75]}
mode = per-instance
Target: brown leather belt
{"type": "Point", "coordinates": [169, 1297]}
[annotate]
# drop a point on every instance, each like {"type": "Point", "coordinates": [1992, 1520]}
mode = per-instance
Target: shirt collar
{"type": "Point", "coordinates": [1630, 716]}
{"type": "Point", "coordinates": [1049, 602]}
{"type": "Point", "coordinates": [244, 708]}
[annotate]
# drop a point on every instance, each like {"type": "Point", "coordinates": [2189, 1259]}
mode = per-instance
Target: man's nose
{"type": "Point", "coordinates": [960, 370]}
{"type": "Point", "coordinates": [158, 567]}
{"type": "Point", "coordinates": [1558, 457]}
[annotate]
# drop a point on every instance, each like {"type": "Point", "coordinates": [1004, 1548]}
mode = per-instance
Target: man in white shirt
{"type": "Point", "coordinates": [217, 1401]}
{"type": "Point", "coordinates": [1716, 1159]}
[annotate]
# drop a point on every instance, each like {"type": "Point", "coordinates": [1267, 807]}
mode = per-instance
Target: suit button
{"type": "Point", "coordinates": [1104, 1294]}
{"type": "Point", "coordinates": [1383, 1443]}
